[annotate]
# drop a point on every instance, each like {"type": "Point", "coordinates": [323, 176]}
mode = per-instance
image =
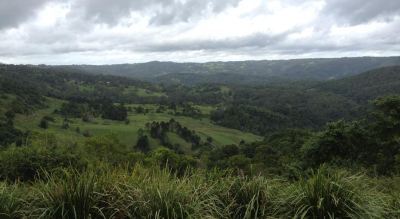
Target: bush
{"type": "Point", "coordinates": [175, 162]}
{"type": "Point", "coordinates": [43, 124]}
{"type": "Point", "coordinates": [25, 163]}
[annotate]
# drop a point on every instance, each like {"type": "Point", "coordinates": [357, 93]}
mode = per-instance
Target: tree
{"type": "Point", "coordinates": [43, 124]}
{"type": "Point", "coordinates": [339, 142]}
{"type": "Point", "coordinates": [387, 115]}
{"type": "Point", "coordinates": [142, 144]}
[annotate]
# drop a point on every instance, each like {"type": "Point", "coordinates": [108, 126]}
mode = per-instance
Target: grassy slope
{"type": "Point", "coordinates": [127, 133]}
{"type": "Point", "coordinates": [142, 92]}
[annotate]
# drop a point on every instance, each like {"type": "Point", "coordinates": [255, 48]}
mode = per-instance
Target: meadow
{"type": "Point", "coordinates": [127, 133]}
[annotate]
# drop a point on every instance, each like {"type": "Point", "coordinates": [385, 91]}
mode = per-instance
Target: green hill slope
{"type": "Point", "coordinates": [368, 85]}
{"type": "Point", "coordinates": [126, 133]}
{"type": "Point", "coordinates": [233, 72]}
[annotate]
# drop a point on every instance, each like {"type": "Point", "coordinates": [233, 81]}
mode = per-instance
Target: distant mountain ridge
{"type": "Point", "coordinates": [235, 72]}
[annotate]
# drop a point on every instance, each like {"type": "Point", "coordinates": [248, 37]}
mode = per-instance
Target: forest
{"type": "Point", "coordinates": [96, 142]}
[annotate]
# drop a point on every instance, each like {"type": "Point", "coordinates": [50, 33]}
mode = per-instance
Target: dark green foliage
{"type": "Point", "coordinates": [44, 124]}
{"type": "Point", "coordinates": [72, 109]}
{"type": "Point", "coordinates": [87, 133]}
{"type": "Point", "coordinates": [371, 143]}
{"type": "Point", "coordinates": [249, 118]}
{"type": "Point", "coordinates": [48, 118]}
{"type": "Point", "coordinates": [25, 163]}
{"type": "Point", "coordinates": [168, 159]}
{"type": "Point", "coordinates": [340, 140]}
{"type": "Point", "coordinates": [139, 109]}
{"type": "Point", "coordinates": [387, 116]}
{"type": "Point", "coordinates": [188, 110]}
{"type": "Point", "coordinates": [30, 83]}
{"type": "Point", "coordinates": [142, 143]}
{"type": "Point", "coordinates": [367, 86]}
{"type": "Point", "coordinates": [159, 131]}
{"type": "Point", "coordinates": [105, 107]}
{"type": "Point", "coordinates": [108, 149]}
{"type": "Point", "coordinates": [8, 134]}
{"type": "Point", "coordinates": [114, 112]}
{"type": "Point", "coordinates": [9, 115]}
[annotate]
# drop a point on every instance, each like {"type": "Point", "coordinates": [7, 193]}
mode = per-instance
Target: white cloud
{"type": "Point", "coordinates": [123, 31]}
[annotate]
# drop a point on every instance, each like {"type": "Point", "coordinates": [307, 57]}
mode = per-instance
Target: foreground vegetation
{"type": "Point", "coordinates": [151, 192]}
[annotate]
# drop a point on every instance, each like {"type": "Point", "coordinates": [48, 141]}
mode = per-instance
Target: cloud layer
{"type": "Point", "coordinates": [124, 31]}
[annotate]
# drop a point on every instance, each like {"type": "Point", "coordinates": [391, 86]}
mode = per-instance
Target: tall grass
{"type": "Point", "coordinates": [337, 194]}
{"type": "Point", "coordinates": [244, 197]}
{"type": "Point", "coordinates": [393, 206]}
{"type": "Point", "coordinates": [144, 192]}
{"type": "Point", "coordinates": [10, 204]}
{"type": "Point", "coordinates": [68, 195]}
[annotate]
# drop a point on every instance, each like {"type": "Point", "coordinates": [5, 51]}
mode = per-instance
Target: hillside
{"type": "Point", "coordinates": [129, 147]}
{"type": "Point", "coordinates": [78, 105]}
{"type": "Point", "coordinates": [126, 132]}
{"type": "Point", "coordinates": [366, 86]}
{"type": "Point", "coordinates": [257, 109]}
{"type": "Point", "coordinates": [233, 72]}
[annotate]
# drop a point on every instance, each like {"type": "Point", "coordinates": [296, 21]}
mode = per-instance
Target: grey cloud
{"type": "Point", "coordinates": [257, 40]}
{"type": "Point", "coordinates": [355, 12]}
{"type": "Point", "coordinates": [162, 12]}
{"type": "Point", "coordinates": [78, 33]}
{"type": "Point", "coordinates": [178, 12]}
{"type": "Point", "coordinates": [13, 12]}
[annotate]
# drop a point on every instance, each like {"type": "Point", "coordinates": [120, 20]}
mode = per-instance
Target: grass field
{"type": "Point", "coordinates": [127, 133]}
{"type": "Point", "coordinates": [142, 92]}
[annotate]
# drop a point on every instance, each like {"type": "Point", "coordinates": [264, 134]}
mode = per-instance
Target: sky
{"type": "Point", "coordinates": [133, 31]}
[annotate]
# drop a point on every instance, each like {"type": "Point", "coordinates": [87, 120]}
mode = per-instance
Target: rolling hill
{"type": "Point", "coordinates": [242, 72]}
{"type": "Point", "coordinates": [366, 86]}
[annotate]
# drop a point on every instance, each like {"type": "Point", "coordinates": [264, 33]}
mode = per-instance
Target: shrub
{"type": "Point", "coordinates": [24, 163]}
{"type": "Point", "coordinates": [327, 194]}
{"type": "Point", "coordinates": [173, 161]}
{"type": "Point", "coordinates": [43, 124]}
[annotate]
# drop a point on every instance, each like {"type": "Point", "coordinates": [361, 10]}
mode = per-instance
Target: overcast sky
{"type": "Point", "coordinates": [130, 31]}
